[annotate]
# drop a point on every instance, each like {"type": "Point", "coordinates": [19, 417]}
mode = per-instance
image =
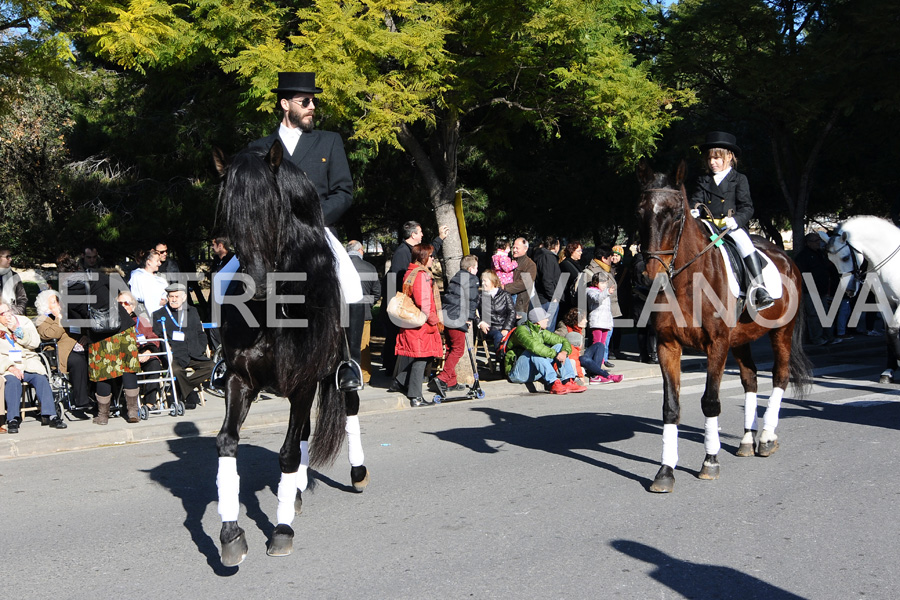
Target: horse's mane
{"type": "Point", "coordinates": [868, 226]}
{"type": "Point", "coordinates": [273, 217]}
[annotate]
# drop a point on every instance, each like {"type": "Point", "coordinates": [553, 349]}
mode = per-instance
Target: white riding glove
{"type": "Point", "coordinates": [730, 223]}
{"type": "Point", "coordinates": [695, 213]}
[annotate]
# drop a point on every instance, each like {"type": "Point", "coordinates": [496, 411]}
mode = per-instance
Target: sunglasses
{"type": "Point", "coordinates": [304, 102]}
{"type": "Point", "coordinates": [124, 302]}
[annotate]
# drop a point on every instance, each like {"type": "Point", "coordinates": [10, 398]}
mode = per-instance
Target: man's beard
{"type": "Point", "coordinates": [304, 126]}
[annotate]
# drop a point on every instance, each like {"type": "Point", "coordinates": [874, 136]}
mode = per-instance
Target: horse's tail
{"type": "Point", "coordinates": [330, 424]}
{"type": "Point", "coordinates": [799, 366]}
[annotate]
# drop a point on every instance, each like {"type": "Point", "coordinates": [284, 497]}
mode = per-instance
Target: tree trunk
{"type": "Point", "coordinates": [438, 168]}
{"type": "Point", "coordinates": [798, 198]}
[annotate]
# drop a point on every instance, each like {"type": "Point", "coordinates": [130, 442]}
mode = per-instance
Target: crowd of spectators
{"type": "Point", "coordinates": [97, 328]}
{"type": "Point", "coordinates": [546, 312]}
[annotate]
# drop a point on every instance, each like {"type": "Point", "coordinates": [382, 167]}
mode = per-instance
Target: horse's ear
{"type": "Point", "coordinates": [680, 172]}
{"type": "Point", "coordinates": [220, 161]}
{"type": "Point", "coordinates": [275, 156]}
{"type": "Point", "coordinates": [644, 171]}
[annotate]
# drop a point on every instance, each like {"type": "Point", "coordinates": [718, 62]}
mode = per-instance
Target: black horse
{"type": "Point", "coordinates": [280, 328]}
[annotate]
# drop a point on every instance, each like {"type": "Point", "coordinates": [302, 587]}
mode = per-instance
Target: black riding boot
{"type": "Point", "coordinates": [756, 293]}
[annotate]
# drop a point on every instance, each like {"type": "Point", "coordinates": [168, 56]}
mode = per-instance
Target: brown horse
{"type": "Point", "coordinates": [701, 313]}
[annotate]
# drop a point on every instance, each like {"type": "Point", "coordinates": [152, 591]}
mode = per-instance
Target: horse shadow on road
{"type": "Point", "coordinates": [695, 580]}
{"type": "Point", "coordinates": [565, 435]}
{"type": "Point", "coordinates": [191, 477]}
{"type": "Point", "coordinates": [873, 413]}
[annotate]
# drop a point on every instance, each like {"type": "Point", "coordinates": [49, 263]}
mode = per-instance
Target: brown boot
{"type": "Point", "coordinates": [102, 417]}
{"type": "Point", "coordinates": [131, 405]}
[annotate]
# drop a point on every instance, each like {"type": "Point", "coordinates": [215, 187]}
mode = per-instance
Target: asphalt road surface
{"type": "Point", "coordinates": [529, 497]}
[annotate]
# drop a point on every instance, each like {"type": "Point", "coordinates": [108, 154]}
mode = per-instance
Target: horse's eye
{"type": "Point", "coordinates": [845, 258]}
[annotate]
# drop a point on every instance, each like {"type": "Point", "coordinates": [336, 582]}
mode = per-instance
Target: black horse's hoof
{"type": "Point", "coordinates": [765, 449]}
{"type": "Point", "coordinates": [885, 379]}
{"type": "Point", "coordinates": [235, 550]}
{"type": "Point", "coordinates": [359, 476]}
{"type": "Point", "coordinates": [710, 468]}
{"type": "Point", "coordinates": [282, 542]}
{"type": "Point", "coordinates": [664, 482]}
{"type": "Point", "coordinates": [298, 503]}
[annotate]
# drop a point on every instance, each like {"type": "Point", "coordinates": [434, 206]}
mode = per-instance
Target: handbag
{"type": "Point", "coordinates": [103, 320]}
{"type": "Point", "coordinates": [402, 310]}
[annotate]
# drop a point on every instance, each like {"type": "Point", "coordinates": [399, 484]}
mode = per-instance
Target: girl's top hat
{"type": "Point", "coordinates": [720, 139]}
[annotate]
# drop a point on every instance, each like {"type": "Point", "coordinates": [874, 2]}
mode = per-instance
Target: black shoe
{"type": "Point", "coordinates": [608, 365]}
{"type": "Point", "coordinates": [456, 388]}
{"type": "Point", "coordinates": [12, 426]}
{"type": "Point", "coordinates": [58, 424]}
{"type": "Point", "coordinates": [191, 402]}
{"type": "Point", "coordinates": [420, 401]}
{"type": "Point", "coordinates": [79, 413]}
{"type": "Point", "coordinates": [438, 387]}
{"type": "Point", "coordinates": [349, 377]}
{"type": "Point", "coordinates": [396, 388]}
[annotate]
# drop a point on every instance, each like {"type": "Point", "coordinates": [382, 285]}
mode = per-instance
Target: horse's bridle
{"type": "Point", "coordinates": [671, 271]}
{"type": "Point", "coordinates": [856, 266]}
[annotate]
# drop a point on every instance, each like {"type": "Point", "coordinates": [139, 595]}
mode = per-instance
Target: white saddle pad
{"type": "Point", "coordinates": [771, 276]}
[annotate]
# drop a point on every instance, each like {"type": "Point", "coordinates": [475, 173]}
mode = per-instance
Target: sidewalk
{"type": "Point", "coordinates": [34, 440]}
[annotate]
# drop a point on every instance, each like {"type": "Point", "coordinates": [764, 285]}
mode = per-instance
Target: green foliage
{"type": "Point", "coordinates": [30, 47]}
{"type": "Point", "coordinates": [33, 153]}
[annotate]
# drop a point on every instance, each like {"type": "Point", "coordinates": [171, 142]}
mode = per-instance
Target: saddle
{"type": "Point", "coordinates": [738, 276]}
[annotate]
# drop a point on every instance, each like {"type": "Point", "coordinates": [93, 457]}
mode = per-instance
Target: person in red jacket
{"type": "Point", "coordinates": [417, 347]}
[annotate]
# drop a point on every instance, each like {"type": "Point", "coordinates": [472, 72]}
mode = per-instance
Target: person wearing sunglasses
{"type": "Point", "coordinates": [319, 153]}
{"type": "Point", "coordinates": [167, 264]}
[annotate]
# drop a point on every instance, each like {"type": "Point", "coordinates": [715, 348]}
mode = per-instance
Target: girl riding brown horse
{"type": "Point", "coordinates": [700, 312]}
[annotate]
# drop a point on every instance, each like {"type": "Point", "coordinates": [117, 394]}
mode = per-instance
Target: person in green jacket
{"type": "Point", "coordinates": [537, 354]}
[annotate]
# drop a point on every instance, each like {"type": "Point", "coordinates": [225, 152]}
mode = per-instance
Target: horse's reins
{"type": "Point", "coordinates": [670, 270]}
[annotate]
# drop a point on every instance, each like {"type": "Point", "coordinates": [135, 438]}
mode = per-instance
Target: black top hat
{"type": "Point", "coordinates": [720, 139]}
{"type": "Point", "coordinates": [297, 82]}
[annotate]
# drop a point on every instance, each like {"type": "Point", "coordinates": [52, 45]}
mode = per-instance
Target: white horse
{"type": "Point", "coordinates": [878, 240]}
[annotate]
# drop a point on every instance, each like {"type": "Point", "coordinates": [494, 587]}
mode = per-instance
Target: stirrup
{"type": "Point", "coordinates": [348, 377]}
{"type": "Point", "coordinates": [759, 297]}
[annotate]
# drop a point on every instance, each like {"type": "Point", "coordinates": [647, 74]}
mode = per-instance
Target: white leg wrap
{"type": "Point", "coordinates": [750, 410]}
{"type": "Point", "coordinates": [354, 442]}
{"type": "Point", "coordinates": [770, 418]}
{"type": "Point", "coordinates": [229, 485]}
{"type": "Point", "coordinates": [287, 491]}
{"type": "Point", "coordinates": [302, 480]}
{"type": "Point", "coordinates": [670, 445]}
{"type": "Point", "coordinates": [711, 436]}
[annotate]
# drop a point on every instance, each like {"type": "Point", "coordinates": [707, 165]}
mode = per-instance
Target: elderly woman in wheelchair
{"type": "Point", "coordinates": [70, 357]}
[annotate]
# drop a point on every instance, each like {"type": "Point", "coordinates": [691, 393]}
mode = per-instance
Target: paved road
{"type": "Point", "coordinates": [517, 497]}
